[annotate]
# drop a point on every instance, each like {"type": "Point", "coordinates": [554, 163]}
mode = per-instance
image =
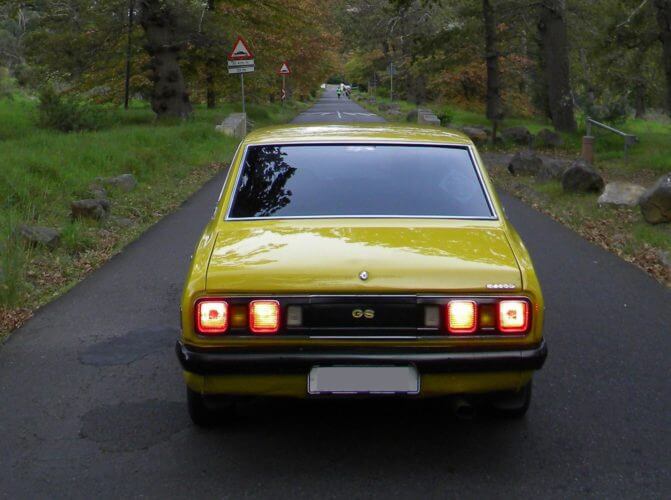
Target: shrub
{"type": "Point", "coordinates": [66, 114]}
{"type": "Point", "coordinates": [446, 116]}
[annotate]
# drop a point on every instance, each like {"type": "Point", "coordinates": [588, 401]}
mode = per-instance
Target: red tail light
{"type": "Point", "coordinates": [462, 316]}
{"type": "Point", "coordinates": [513, 316]}
{"type": "Point", "coordinates": [264, 316]}
{"type": "Point", "coordinates": [212, 316]}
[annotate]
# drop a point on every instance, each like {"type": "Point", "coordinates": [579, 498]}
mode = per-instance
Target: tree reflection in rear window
{"type": "Point", "coordinates": [347, 180]}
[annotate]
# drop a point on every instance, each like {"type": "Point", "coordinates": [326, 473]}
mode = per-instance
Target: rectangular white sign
{"type": "Point", "coordinates": [240, 69]}
{"type": "Point", "coordinates": [241, 62]}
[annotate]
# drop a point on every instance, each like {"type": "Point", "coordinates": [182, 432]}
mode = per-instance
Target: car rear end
{"type": "Point", "coordinates": [360, 266]}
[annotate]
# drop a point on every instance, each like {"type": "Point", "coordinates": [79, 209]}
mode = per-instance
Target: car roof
{"type": "Point", "coordinates": [355, 132]}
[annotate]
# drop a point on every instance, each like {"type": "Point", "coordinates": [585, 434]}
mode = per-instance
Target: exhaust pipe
{"type": "Point", "coordinates": [463, 409]}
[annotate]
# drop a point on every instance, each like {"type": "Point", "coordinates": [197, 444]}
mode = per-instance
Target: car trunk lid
{"type": "Point", "coordinates": [399, 256]}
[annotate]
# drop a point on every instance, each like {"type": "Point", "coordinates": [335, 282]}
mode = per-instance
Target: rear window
{"type": "Point", "coordinates": [346, 180]}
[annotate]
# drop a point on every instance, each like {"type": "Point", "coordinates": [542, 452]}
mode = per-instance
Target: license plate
{"type": "Point", "coordinates": [363, 380]}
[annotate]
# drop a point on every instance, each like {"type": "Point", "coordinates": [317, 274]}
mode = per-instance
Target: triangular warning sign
{"type": "Point", "coordinates": [284, 70]}
{"type": "Point", "coordinates": [240, 50]}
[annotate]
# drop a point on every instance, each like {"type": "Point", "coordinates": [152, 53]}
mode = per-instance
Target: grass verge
{"type": "Point", "coordinates": [42, 171]}
{"type": "Point", "coordinates": [621, 230]}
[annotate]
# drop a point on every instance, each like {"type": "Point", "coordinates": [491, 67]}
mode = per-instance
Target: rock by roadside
{"type": "Point", "coordinates": [552, 170]}
{"type": "Point", "coordinates": [582, 177]}
{"type": "Point", "coordinates": [123, 182]}
{"type": "Point", "coordinates": [655, 203]}
{"type": "Point", "coordinates": [90, 208]}
{"type": "Point", "coordinates": [120, 221]}
{"type": "Point", "coordinates": [38, 235]}
{"type": "Point", "coordinates": [476, 134]}
{"type": "Point", "coordinates": [517, 135]}
{"type": "Point", "coordinates": [525, 163]}
{"type": "Point", "coordinates": [623, 194]}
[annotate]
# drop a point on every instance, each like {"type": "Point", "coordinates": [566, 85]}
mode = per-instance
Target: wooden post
{"type": "Point", "coordinates": [587, 152]}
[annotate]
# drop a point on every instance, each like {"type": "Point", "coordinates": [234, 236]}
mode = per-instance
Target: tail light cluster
{"type": "Point", "coordinates": [216, 316]}
{"type": "Point", "coordinates": [468, 317]}
{"type": "Point", "coordinates": [452, 316]}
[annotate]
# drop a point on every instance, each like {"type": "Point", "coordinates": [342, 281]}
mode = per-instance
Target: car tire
{"type": "Point", "coordinates": [510, 404]}
{"type": "Point", "coordinates": [200, 414]}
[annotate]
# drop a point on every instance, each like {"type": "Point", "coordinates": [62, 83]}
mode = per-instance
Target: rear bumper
{"type": "Point", "coordinates": [299, 361]}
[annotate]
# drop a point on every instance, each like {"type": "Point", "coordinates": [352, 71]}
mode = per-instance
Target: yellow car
{"type": "Point", "coordinates": [360, 260]}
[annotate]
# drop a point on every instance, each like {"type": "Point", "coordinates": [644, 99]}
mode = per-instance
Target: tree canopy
{"type": "Point", "coordinates": [521, 57]}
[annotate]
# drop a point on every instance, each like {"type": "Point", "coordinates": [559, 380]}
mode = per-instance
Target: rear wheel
{"type": "Point", "coordinates": [511, 404]}
{"type": "Point", "coordinates": [204, 416]}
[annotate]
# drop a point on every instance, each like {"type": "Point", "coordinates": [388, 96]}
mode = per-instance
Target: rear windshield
{"type": "Point", "coordinates": [345, 180]}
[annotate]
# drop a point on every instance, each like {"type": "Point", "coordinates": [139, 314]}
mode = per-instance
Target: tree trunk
{"type": "Point", "coordinates": [129, 49]}
{"type": "Point", "coordinates": [664, 21]}
{"type": "Point", "coordinates": [554, 43]}
{"type": "Point", "coordinates": [494, 105]}
{"type": "Point", "coordinates": [169, 96]}
{"type": "Point", "coordinates": [210, 68]}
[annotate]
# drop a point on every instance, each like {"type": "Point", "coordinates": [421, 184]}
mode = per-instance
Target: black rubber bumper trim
{"type": "Point", "coordinates": [234, 360]}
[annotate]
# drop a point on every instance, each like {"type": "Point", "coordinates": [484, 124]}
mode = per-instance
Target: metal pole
{"type": "Point", "coordinates": [131, 8]}
{"type": "Point", "coordinates": [284, 87]}
{"type": "Point", "coordinates": [242, 86]}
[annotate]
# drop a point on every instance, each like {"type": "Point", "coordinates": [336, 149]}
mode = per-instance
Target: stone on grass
{"type": "Point", "coordinates": [123, 182]}
{"type": "Point", "coordinates": [551, 170]}
{"type": "Point", "coordinates": [656, 202]}
{"type": "Point", "coordinates": [98, 192]}
{"type": "Point", "coordinates": [581, 177]}
{"type": "Point", "coordinates": [427, 117]}
{"type": "Point", "coordinates": [234, 125]}
{"type": "Point", "coordinates": [525, 163]}
{"type": "Point", "coordinates": [518, 135]}
{"type": "Point", "coordinates": [476, 134]}
{"type": "Point", "coordinates": [546, 138]}
{"type": "Point", "coordinates": [622, 194]}
{"type": "Point", "coordinates": [90, 209]}
{"type": "Point", "coordinates": [37, 235]}
{"type": "Point", "coordinates": [121, 221]}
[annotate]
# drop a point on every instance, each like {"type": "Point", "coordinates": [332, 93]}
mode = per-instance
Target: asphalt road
{"type": "Point", "coordinates": [92, 400]}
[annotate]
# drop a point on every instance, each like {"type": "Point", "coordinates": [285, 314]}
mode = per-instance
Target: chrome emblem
{"type": "Point", "coordinates": [360, 313]}
{"type": "Point", "coordinates": [363, 275]}
{"type": "Point", "coordinates": [501, 286]}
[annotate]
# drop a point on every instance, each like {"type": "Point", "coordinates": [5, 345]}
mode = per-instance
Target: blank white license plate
{"type": "Point", "coordinates": [363, 380]}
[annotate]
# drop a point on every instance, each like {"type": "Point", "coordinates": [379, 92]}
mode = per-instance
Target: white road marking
{"type": "Point", "coordinates": [358, 114]}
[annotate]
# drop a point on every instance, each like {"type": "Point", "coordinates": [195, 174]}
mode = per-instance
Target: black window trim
{"type": "Point", "coordinates": [467, 147]}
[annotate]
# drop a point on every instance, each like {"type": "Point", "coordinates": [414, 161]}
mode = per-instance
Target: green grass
{"type": "Point", "coordinates": [42, 171]}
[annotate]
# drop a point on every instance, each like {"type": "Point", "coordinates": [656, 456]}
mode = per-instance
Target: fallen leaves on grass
{"type": "Point", "coordinates": [11, 319]}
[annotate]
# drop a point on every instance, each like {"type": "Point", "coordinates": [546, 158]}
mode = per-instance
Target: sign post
{"type": "Point", "coordinates": [284, 71]}
{"type": "Point", "coordinates": [241, 61]}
